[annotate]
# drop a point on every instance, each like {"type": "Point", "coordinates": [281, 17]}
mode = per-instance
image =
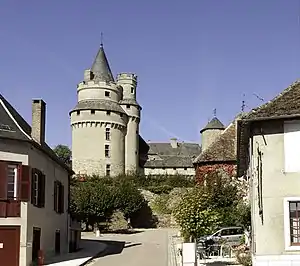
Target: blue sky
{"type": "Point", "coordinates": [190, 57]}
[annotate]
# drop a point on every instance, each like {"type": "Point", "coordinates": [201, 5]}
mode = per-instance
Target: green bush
{"type": "Point", "coordinates": [160, 204]}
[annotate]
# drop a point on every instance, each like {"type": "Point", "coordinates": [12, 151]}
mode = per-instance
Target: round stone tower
{"type": "Point", "coordinates": [210, 132]}
{"type": "Point", "coordinates": [128, 82]}
{"type": "Point", "coordinates": [99, 123]}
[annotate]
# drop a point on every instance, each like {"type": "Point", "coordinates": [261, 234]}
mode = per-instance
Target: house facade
{"type": "Point", "coordinates": [218, 150]}
{"type": "Point", "coordinates": [268, 155]}
{"type": "Point", "coordinates": [173, 158]}
{"type": "Point", "coordinates": [105, 123]}
{"type": "Point", "coordinates": [34, 190]}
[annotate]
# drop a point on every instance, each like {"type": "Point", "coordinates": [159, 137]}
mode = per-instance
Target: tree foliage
{"type": "Point", "coordinates": [64, 153]}
{"type": "Point", "coordinates": [220, 202]}
{"type": "Point", "coordinates": [94, 200]}
{"type": "Point", "coordinates": [195, 216]}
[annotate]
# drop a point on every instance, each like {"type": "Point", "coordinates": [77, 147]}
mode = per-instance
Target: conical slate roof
{"type": "Point", "coordinates": [100, 67]}
{"type": "Point", "coordinates": [215, 123]}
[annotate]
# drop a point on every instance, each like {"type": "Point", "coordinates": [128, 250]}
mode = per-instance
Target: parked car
{"type": "Point", "coordinates": [211, 243]}
{"type": "Point", "coordinates": [231, 235]}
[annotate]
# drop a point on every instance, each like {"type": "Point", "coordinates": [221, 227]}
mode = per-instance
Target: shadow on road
{"type": "Point", "coordinates": [122, 231]}
{"type": "Point", "coordinates": [114, 247]}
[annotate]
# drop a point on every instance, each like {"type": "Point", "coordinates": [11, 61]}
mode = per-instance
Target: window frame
{"type": "Point", "coordinates": [107, 134]}
{"type": "Point", "coordinates": [107, 170]}
{"type": "Point", "coordinates": [16, 181]}
{"type": "Point", "coordinates": [287, 225]}
{"type": "Point", "coordinates": [107, 151]}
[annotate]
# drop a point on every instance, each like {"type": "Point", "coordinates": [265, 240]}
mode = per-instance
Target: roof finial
{"type": "Point", "coordinates": [101, 44]}
{"type": "Point", "coordinates": [215, 112]}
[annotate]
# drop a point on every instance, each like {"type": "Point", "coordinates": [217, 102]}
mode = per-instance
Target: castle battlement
{"type": "Point", "coordinates": [127, 76]}
{"type": "Point", "coordinates": [97, 124]}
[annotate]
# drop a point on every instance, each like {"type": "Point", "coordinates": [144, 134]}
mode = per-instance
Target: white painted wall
{"type": "Point", "coordinates": [189, 171]}
{"type": "Point", "coordinates": [44, 218]}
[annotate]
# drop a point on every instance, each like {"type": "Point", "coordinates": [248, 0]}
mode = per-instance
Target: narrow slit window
{"type": "Point", "coordinates": [107, 151]}
{"type": "Point", "coordinates": [107, 133]}
{"type": "Point", "coordinates": [108, 170]}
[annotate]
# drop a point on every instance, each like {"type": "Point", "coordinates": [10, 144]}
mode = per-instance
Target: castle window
{"type": "Point", "coordinates": [108, 112]}
{"type": "Point", "coordinates": [174, 168]}
{"type": "Point", "coordinates": [132, 90]}
{"type": "Point", "coordinates": [107, 151]}
{"type": "Point", "coordinates": [78, 112]}
{"type": "Point", "coordinates": [185, 168]}
{"type": "Point", "coordinates": [164, 168]}
{"type": "Point", "coordinates": [128, 106]}
{"type": "Point", "coordinates": [107, 94]}
{"type": "Point", "coordinates": [121, 115]}
{"type": "Point", "coordinates": [108, 170]}
{"type": "Point", "coordinates": [107, 133]}
{"type": "Point", "coordinates": [92, 112]}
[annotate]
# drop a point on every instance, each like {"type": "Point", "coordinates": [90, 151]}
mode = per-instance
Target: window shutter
{"type": "Point", "coordinates": [55, 196]}
{"type": "Point", "coordinates": [24, 185]}
{"type": "Point", "coordinates": [62, 197]}
{"type": "Point", "coordinates": [3, 180]}
{"type": "Point", "coordinates": [33, 198]}
{"type": "Point", "coordinates": [41, 193]}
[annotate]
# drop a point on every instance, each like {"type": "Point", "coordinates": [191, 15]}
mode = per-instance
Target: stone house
{"type": "Point", "coordinates": [219, 151]}
{"type": "Point", "coordinates": [34, 190]}
{"type": "Point", "coordinates": [173, 158]}
{"type": "Point", "coordinates": [268, 151]}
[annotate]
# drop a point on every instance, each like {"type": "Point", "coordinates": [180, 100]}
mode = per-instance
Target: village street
{"type": "Point", "coordinates": [147, 248]}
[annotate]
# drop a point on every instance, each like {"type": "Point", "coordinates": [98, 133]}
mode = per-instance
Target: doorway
{"type": "Point", "coordinates": [57, 242]}
{"type": "Point", "coordinates": [36, 243]}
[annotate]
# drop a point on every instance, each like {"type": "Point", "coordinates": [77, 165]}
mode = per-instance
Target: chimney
{"type": "Point", "coordinates": [38, 120]}
{"type": "Point", "coordinates": [174, 143]}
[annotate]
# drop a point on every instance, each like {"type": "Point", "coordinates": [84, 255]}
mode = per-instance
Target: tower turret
{"type": "Point", "coordinates": [210, 132]}
{"type": "Point", "coordinates": [99, 123]}
{"type": "Point", "coordinates": [128, 82]}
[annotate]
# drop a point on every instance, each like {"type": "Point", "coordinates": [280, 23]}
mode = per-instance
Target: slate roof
{"type": "Point", "coordinates": [101, 68]}
{"type": "Point", "coordinates": [168, 157]}
{"type": "Point", "coordinates": [99, 104]}
{"type": "Point", "coordinates": [215, 123]}
{"type": "Point", "coordinates": [21, 130]}
{"type": "Point", "coordinates": [131, 102]}
{"type": "Point", "coordinates": [223, 149]}
{"type": "Point", "coordinates": [284, 105]}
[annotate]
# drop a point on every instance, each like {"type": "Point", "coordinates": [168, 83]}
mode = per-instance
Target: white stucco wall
{"type": "Point", "coordinates": [45, 218]}
{"type": "Point", "coordinates": [269, 231]}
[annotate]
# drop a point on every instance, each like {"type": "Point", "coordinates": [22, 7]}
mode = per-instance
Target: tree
{"type": "Point", "coordinates": [92, 202]}
{"type": "Point", "coordinates": [194, 215]}
{"type": "Point", "coordinates": [64, 153]}
{"type": "Point", "coordinates": [220, 202]}
{"type": "Point", "coordinates": [128, 198]}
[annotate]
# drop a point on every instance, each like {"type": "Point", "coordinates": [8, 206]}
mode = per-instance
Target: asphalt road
{"type": "Point", "coordinates": [145, 248]}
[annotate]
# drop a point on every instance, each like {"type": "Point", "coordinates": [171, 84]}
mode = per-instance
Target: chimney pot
{"type": "Point", "coordinates": [38, 120]}
{"type": "Point", "coordinates": [174, 143]}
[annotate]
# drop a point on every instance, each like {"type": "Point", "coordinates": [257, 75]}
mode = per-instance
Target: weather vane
{"type": "Point", "coordinates": [215, 112]}
{"type": "Point", "coordinates": [101, 39]}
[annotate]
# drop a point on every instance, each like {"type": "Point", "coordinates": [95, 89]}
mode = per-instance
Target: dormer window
{"type": "Point", "coordinates": [108, 112]}
{"type": "Point", "coordinates": [128, 106]}
{"type": "Point", "coordinates": [78, 112]}
{"type": "Point", "coordinates": [107, 94]}
{"type": "Point", "coordinates": [92, 112]}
